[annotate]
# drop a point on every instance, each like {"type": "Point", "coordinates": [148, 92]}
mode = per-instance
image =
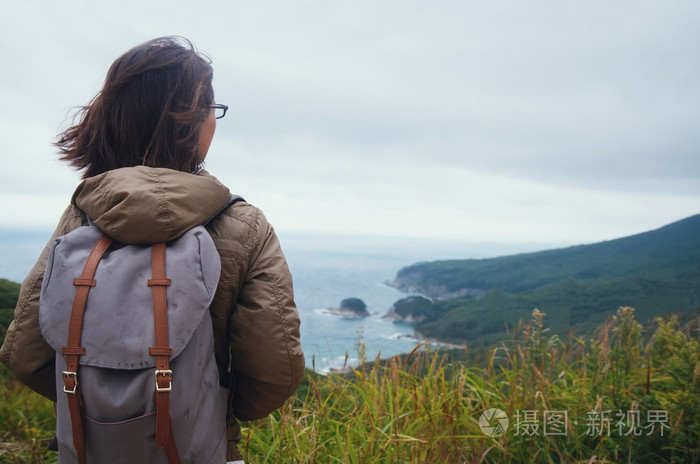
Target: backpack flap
{"type": "Point", "coordinates": [118, 326]}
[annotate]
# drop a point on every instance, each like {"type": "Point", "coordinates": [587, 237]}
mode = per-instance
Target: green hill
{"type": "Point", "coordinates": [9, 291]}
{"type": "Point", "coordinates": [656, 272]}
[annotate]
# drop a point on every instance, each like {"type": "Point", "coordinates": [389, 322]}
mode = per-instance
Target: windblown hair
{"type": "Point", "coordinates": [149, 112]}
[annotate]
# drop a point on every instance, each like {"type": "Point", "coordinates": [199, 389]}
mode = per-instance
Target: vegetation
{"type": "Point", "coordinates": [27, 423]}
{"type": "Point", "coordinates": [355, 305]}
{"type": "Point", "coordinates": [8, 293]}
{"type": "Point", "coordinates": [8, 298]}
{"type": "Point", "coordinates": [656, 272]}
{"type": "Point", "coordinates": [624, 395]}
{"type": "Point", "coordinates": [617, 398]}
{"type": "Point", "coordinates": [414, 308]}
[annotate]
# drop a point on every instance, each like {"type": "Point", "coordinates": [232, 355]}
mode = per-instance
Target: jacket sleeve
{"type": "Point", "coordinates": [24, 351]}
{"type": "Point", "coordinates": [266, 355]}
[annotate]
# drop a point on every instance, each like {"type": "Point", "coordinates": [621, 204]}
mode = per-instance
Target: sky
{"type": "Point", "coordinates": [559, 122]}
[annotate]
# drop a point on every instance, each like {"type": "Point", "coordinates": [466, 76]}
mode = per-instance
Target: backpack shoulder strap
{"type": "Point", "coordinates": [234, 199]}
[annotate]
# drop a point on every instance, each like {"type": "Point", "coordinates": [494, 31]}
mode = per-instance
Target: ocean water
{"type": "Point", "coordinates": [326, 269]}
{"type": "Point", "coordinates": [326, 272]}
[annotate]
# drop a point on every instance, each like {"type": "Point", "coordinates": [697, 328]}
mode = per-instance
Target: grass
{"type": "Point", "coordinates": [27, 423]}
{"type": "Point", "coordinates": [617, 397]}
{"type": "Point", "coordinates": [628, 393]}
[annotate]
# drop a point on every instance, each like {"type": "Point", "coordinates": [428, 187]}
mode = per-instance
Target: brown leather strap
{"type": "Point", "coordinates": [76, 420]}
{"type": "Point", "coordinates": [171, 449]}
{"type": "Point", "coordinates": [159, 283]}
{"type": "Point", "coordinates": [73, 350]}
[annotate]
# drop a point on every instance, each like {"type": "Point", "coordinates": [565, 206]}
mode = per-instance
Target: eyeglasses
{"type": "Point", "coordinates": [219, 110]}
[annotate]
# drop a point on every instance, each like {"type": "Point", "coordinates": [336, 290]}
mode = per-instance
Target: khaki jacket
{"type": "Point", "coordinates": [256, 324]}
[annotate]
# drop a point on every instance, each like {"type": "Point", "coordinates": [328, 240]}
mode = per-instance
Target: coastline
{"type": "Point", "coordinates": [349, 367]}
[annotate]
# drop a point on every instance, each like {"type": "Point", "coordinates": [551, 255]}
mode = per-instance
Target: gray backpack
{"type": "Point", "coordinates": [136, 377]}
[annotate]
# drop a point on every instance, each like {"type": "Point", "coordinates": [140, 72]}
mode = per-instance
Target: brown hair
{"type": "Point", "coordinates": [149, 112]}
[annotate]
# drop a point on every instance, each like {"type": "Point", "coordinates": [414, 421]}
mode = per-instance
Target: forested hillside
{"type": "Point", "coordinates": [656, 272]}
{"type": "Point", "coordinates": [8, 299]}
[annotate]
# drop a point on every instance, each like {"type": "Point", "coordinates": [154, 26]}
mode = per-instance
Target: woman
{"type": "Point", "coordinates": [141, 143]}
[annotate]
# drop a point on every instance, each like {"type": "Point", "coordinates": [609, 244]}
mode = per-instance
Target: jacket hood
{"type": "Point", "coordinates": [138, 205]}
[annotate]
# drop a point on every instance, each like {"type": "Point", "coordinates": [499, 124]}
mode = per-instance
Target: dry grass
{"type": "Point", "coordinates": [425, 407]}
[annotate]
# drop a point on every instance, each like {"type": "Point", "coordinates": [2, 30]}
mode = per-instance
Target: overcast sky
{"type": "Point", "coordinates": [511, 121]}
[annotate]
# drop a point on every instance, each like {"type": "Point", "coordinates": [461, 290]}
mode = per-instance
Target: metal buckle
{"type": "Point", "coordinates": [167, 372]}
{"type": "Point", "coordinates": [68, 375]}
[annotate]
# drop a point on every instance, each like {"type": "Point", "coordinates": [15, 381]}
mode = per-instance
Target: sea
{"type": "Point", "coordinates": [326, 269]}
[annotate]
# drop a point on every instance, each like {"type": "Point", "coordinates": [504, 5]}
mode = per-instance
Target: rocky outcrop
{"type": "Point", "coordinates": [412, 310]}
{"type": "Point", "coordinates": [416, 281]}
{"type": "Point", "coordinates": [350, 308]}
